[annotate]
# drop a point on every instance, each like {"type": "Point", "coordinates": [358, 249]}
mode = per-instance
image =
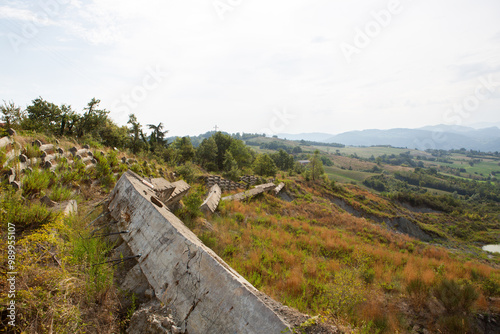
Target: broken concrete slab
{"type": "Point", "coordinates": [49, 148]}
{"type": "Point", "coordinates": [250, 193]}
{"type": "Point", "coordinates": [181, 189]}
{"type": "Point", "coordinates": [163, 188]}
{"type": "Point", "coordinates": [47, 201]}
{"type": "Point", "coordinates": [205, 294]}
{"type": "Point", "coordinates": [212, 201]}
{"type": "Point", "coordinates": [16, 185]}
{"type": "Point", "coordinates": [278, 188]}
{"type": "Point", "coordinates": [67, 208]}
{"type": "Point", "coordinates": [4, 141]}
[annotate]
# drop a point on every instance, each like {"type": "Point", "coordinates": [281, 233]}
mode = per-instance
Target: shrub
{"type": "Point", "coordinates": [60, 193]}
{"type": "Point", "coordinates": [346, 292]}
{"type": "Point", "coordinates": [24, 215]}
{"type": "Point", "coordinates": [455, 298]}
{"type": "Point", "coordinates": [186, 172]}
{"type": "Point", "coordinates": [418, 291]}
{"type": "Point", "coordinates": [35, 182]}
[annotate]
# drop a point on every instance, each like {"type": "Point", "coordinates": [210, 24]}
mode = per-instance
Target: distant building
{"type": "Point", "coordinates": [304, 162]}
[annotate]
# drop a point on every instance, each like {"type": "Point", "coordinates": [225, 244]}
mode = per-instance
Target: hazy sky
{"type": "Point", "coordinates": [258, 66]}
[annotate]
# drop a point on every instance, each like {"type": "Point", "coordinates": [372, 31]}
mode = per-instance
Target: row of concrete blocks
{"type": "Point", "coordinates": [250, 179]}
{"type": "Point", "coordinates": [261, 188]}
{"type": "Point", "coordinates": [48, 159]}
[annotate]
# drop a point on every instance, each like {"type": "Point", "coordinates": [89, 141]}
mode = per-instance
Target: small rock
{"type": "Point", "coordinates": [23, 158]}
{"type": "Point", "coordinates": [47, 201]}
{"type": "Point", "coordinates": [176, 330]}
{"type": "Point", "coordinates": [37, 143]}
{"type": "Point", "coordinates": [57, 141]}
{"type": "Point", "coordinates": [167, 323]}
{"type": "Point", "coordinates": [47, 164]}
{"type": "Point", "coordinates": [15, 185]}
{"type": "Point", "coordinates": [73, 150]}
{"type": "Point", "coordinates": [124, 159]}
{"type": "Point", "coordinates": [149, 293]}
{"type": "Point", "coordinates": [11, 132]}
{"type": "Point", "coordinates": [29, 170]}
{"type": "Point", "coordinates": [86, 146]}
{"type": "Point", "coordinates": [60, 150]}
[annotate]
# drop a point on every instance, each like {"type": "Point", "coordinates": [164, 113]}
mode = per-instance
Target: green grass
{"type": "Point", "coordinates": [36, 181]}
{"type": "Point", "coordinates": [366, 152]}
{"type": "Point", "coordinates": [345, 175]}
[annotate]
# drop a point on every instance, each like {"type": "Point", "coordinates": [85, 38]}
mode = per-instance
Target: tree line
{"type": "Point", "coordinates": [220, 152]}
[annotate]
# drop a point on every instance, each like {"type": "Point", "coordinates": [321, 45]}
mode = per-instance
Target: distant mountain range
{"type": "Point", "coordinates": [429, 137]}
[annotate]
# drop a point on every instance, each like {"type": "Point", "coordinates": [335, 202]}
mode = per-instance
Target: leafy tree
{"type": "Point", "coordinates": [93, 120]}
{"type": "Point", "coordinates": [223, 142]}
{"type": "Point", "coordinates": [283, 160]}
{"type": "Point", "coordinates": [264, 165]}
{"type": "Point", "coordinates": [11, 114]}
{"type": "Point", "coordinates": [231, 170]}
{"type": "Point", "coordinates": [157, 136]}
{"type": "Point", "coordinates": [42, 115]}
{"type": "Point", "coordinates": [136, 141]}
{"type": "Point", "coordinates": [241, 153]}
{"type": "Point", "coordinates": [206, 154]}
{"type": "Point", "coordinates": [315, 166]}
{"type": "Point", "coordinates": [68, 120]}
{"type": "Point", "coordinates": [184, 149]}
{"type": "Point", "coordinates": [229, 162]}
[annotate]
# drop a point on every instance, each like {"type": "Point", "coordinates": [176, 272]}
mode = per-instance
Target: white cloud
{"type": "Point", "coordinates": [263, 55]}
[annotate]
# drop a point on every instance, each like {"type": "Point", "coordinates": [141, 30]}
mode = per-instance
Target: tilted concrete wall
{"type": "Point", "coordinates": [206, 295]}
{"type": "Point", "coordinates": [212, 201]}
{"type": "Point", "coordinates": [250, 193]}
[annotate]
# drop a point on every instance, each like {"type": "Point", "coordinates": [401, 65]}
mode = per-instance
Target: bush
{"type": "Point", "coordinates": [346, 292]}
{"type": "Point", "coordinates": [418, 292]}
{"type": "Point", "coordinates": [456, 298]}
{"type": "Point", "coordinates": [186, 172]}
{"type": "Point", "coordinates": [24, 215]}
{"type": "Point", "coordinates": [60, 193]}
{"type": "Point", "coordinates": [35, 182]}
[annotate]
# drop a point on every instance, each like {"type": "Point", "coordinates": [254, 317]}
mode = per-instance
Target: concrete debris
{"type": "Point", "coordinates": [212, 201]}
{"type": "Point", "coordinates": [163, 188]}
{"type": "Point", "coordinates": [250, 193]}
{"type": "Point", "coordinates": [278, 188]}
{"type": "Point", "coordinates": [203, 292]}
{"type": "Point", "coordinates": [47, 201]}
{"type": "Point", "coordinates": [152, 318]}
{"type": "Point", "coordinates": [16, 185]}
{"type": "Point", "coordinates": [4, 141]}
{"type": "Point", "coordinates": [181, 189]}
{"type": "Point", "coordinates": [67, 208]}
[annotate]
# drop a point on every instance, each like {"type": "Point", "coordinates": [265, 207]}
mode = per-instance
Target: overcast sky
{"type": "Point", "coordinates": [258, 66]}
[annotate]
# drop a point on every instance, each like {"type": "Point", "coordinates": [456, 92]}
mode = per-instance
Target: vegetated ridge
{"type": "Point", "coordinates": [376, 239]}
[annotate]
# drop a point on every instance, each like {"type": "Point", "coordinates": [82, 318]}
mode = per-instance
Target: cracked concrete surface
{"type": "Point", "coordinates": [203, 292]}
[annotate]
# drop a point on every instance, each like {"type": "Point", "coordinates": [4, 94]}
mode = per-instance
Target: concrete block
{"type": "Point", "coordinates": [278, 188]}
{"type": "Point", "coordinates": [250, 193]}
{"type": "Point", "coordinates": [181, 189]}
{"type": "Point", "coordinates": [67, 208]}
{"type": "Point", "coordinates": [206, 295]}
{"type": "Point", "coordinates": [4, 141]}
{"type": "Point", "coordinates": [212, 201]}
